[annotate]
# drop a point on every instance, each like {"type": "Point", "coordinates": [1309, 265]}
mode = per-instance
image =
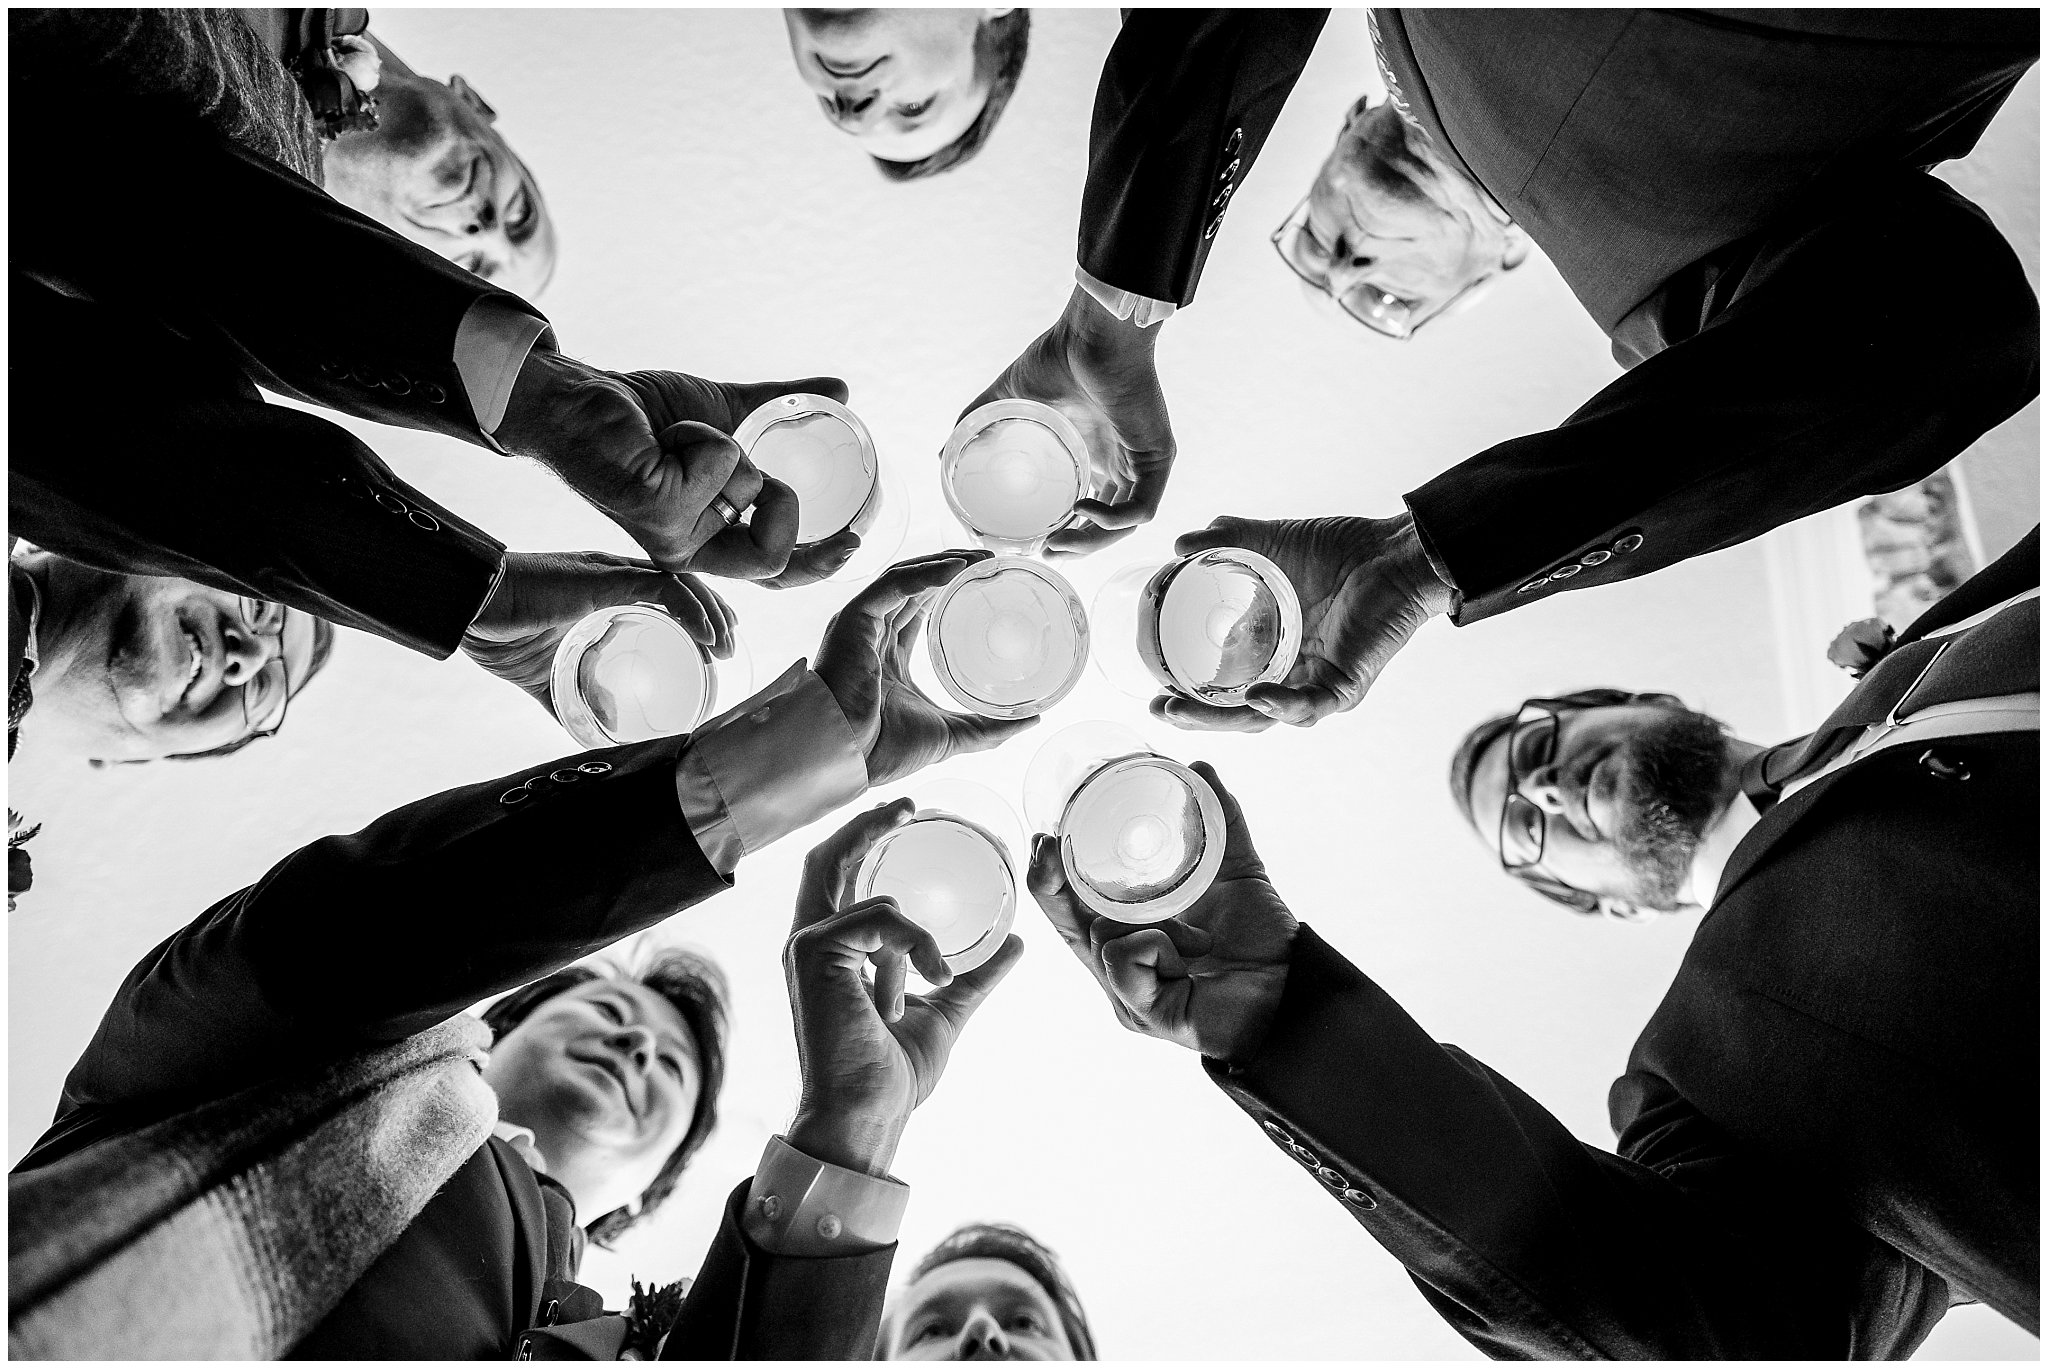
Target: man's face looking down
{"type": "Point", "coordinates": [1625, 793]}
{"type": "Point", "coordinates": [904, 83]}
{"type": "Point", "coordinates": [976, 1309]}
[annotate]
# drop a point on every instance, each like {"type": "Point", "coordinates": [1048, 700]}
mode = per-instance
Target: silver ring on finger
{"type": "Point", "coordinates": [725, 509]}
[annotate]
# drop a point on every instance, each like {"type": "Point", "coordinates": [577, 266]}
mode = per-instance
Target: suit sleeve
{"type": "Point", "coordinates": [1815, 368]}
{"type": "Point", "coordinates": [749, 1304]}
{"type": "Point", "coordinates": [368, 938]}
{"type": "Point", "coordinates": [1184, 105]}
{"type": "Point", "coordinates": [315, 300]}
{"type": "Point", "coordinates": [1530, 1243]}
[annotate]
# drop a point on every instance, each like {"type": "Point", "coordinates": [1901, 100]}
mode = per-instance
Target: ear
{"type": "Point", "coordinates": [1517, 250]}
{"type": "Point", "coordinates": [466, 93]}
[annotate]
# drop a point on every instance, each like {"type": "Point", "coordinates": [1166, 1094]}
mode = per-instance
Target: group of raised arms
{"type": "Point", "coordinates": [382, 1100]}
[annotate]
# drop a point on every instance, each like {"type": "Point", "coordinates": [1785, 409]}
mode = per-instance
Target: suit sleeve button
{"type": "Point", "coordinates": [1532, 586]}
{"type": "Point", "coordinates": [390, 503]}
{"type": "Point", "coordinates": [1596, 557]}
{"type": "Point", "coordinates": [1214, 224]}
{"type": "Point", "coordinates": [1333, 1178]}
{"type": "Point", "coordinates": [1306, 1156]}
{"type": "Point", "coordinates": [512, 798]}
{"type": "Point", "coordinates": [1943, 767]}
{"type": "Point", "coordinates": [595, 767]}
{"type": "Point", "coordinates": [1231, 170]}
{"type": "Point", "coordinates": [1233, 142]}
{"type": "Point", "coordinates": [1566, 571]}
{"type": "Point", "coordinates": [397, 384]}
{"type": "Point", "coordinates": [1358, 1197]}
{"type": "Point", "coordinates": [566, 775]}
{"type": "Point", "coordinates": [1279, 1133]}
{"type": "Point", "coordinates": [1623, 546]}
{"type": "Point", "coordinates": [426, 522]}
{"type": "Point", "coordinates": [432, 393]}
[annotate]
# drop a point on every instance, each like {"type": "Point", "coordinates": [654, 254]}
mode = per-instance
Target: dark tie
{"type": "Point", "coordinates": [2001, 655]}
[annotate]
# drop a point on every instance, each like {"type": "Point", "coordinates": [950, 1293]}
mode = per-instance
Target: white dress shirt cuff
{"type": "Point", "coordinates": [1122, 304]}
{"type": "Point", "coordinates": [490, 346]}
{"type": "Point", "coordinates": [779, 761]}
{"type": "Point", "coordinates": [801, 1206]}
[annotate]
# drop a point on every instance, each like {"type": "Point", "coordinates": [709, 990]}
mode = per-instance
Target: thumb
{"type": "Point", "coordinates": [749, 397]}
{"type": "Point", "coordinates": [970, 732]}
{"type": "Point", "coordinates": [1138, 966]}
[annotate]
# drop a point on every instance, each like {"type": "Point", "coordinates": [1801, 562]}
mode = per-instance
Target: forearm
{"type": "Point", "coordinates": [1805, 388]}
{"type": "Point", "coordinates": [1530, 1242]}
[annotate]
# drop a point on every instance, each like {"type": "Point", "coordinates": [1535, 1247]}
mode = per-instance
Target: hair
{"type": "Point", "coordinates": [1001, 1241]}
{"type": "Point", "coordinates": [696, 988]}
{"type": "Point", "coordinates": [1465, 761]}
{"type": "Point", "coordinates": [323, 647]}
{"type": "Point", "coordinates": [999, 49]}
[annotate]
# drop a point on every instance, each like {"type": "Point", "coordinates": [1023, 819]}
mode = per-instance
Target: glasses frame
{"type": "Point", "coordinates": [266, 618]}
{"type": "Point", "coordinates": [1296, 225]}
{"type": "Point", "coordinates": [1531, 711]}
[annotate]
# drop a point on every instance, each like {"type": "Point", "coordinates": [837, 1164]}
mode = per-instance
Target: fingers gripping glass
{"type": "Point", "coordinates": [266, 693]}
{"type": "Point", "coordinates": [1378, 310]}
{"type": "Point", "coordinates": [1532, 745]}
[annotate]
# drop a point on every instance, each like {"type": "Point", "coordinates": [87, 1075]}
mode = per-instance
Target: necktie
{"type": "Point", "coordinates": [1999, 656]}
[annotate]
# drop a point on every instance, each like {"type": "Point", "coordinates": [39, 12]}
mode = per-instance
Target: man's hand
{"type": "Point", "coordinates": [542, 595]}
{"type": "Point", "coordinates": [864, 660]}
{"type": "Point", "coordinates": [870, 1052]}
{"type": "Point", "coordinates": [1365, 587]}
{"type": "Point", "coordinates": [1209, 979]}
{"type": "Point", "coordinates": [651, 449]}
{"type": "Point", "coordinates": [1099, 372]}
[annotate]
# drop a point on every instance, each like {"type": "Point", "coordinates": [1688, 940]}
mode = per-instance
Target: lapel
{"type": "Point", "coordinates": [531, 1229]}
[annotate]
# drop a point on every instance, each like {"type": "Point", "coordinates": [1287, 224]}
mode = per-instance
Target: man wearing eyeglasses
{"type": "Point", "coordinates": [1732, 198]}
{"type": "Point", "coordinates": [1828, 1133]}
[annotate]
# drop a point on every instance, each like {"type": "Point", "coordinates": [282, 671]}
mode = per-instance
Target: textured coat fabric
{"type": "Point", "coordinates": [361, 940]}
{"type": "Point", "coordinates": [1827, 1132]}
{"type": "Point", "coordinates": [1732, 196]}
{"type": "Point", "coordinates": [257, 279]}
{"type": "Point", "coordinates": [228, 1231]}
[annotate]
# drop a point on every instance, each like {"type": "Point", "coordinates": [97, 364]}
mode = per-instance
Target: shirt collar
{"type": "Point", "coordinates": [522, 1140]}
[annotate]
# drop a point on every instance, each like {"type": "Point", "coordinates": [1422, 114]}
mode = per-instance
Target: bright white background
{"type": "Point", "coordinates": [712, 222]}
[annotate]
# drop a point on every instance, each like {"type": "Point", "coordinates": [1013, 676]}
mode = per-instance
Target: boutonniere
{"type": "Point", "coordinates": [649, 1315]}
{"type": "Point", "coordinates": [1861, 645]}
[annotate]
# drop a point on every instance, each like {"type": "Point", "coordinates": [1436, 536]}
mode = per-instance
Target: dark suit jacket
{"type": "Point", "coordinates": [1827, 1132]}
{"type": "Point", "coordinates": [205, 262]}
{"type": "Point", "coordinates": [361, 939]}
{"type": "Point", "coordinates": [1732, 196]}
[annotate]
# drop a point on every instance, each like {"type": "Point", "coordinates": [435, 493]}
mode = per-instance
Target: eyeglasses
{"type": "Point", "coordinates": [1524, 826]}
{"type": "Point", "coordinates": [266, 694]}
{"type": "Point", "coordinates": [1384, 313]}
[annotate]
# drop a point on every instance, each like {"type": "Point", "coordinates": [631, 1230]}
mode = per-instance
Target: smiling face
{"type": "Point", "coordinates": [976, 1309]}
{"type": "Point", "coordinates": [606, 1074]}
{"type": "Point", "coordinates": [1387, 213]}
{"type": "Point", "coordinates": [904, 83]}
{"type": "Point", "coordinates": [1624, 795]}
{"type": "Point", "coordinates": [136, 667]}
{"type": "Point", "coordinates": [438, 172]}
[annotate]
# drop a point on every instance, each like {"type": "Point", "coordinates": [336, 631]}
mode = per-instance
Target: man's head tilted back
{"type": "Point", "coordinates": [1599, 799]}
{"type": "Point", "coordinates": [920, 90]}
{"type": "Point", "coordinates": [988, 1291]}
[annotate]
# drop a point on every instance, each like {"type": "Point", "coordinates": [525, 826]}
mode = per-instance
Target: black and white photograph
{"type": "Point", "coordinates": [1040, 684]}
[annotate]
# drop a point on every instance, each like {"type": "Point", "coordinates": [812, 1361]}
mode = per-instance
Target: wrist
{"type": "Point", "coordinates": [862, 1142]}
{"type": "Point", "coordinates": [546, 377]}
{"type": "Point", "coordinates": [1087, 326]}
{"type": "Point", "coordinates": [1408, 554]}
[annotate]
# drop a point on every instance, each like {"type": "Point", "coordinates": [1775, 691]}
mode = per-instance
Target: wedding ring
{"type": "Point", "coordinates": [725, 509]}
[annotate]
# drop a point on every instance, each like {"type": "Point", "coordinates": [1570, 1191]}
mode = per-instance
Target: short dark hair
{"type": "Point", "coordinates": [696, 988]}
{"type": "Point", "coordinates": [1465, 762]}
{"type": "Point", "coordinates": [1001, 1241]}
{"type": "Point", "coordinates": [999, 49]}
{"type": "Point", "coordinates": [323, 647]}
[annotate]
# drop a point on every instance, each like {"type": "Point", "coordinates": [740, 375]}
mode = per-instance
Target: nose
{"type": "Point", "coordinates": [1544, 787]}
{"type": "Point", "coordinates": [848, 107]}
{"type": "Point", "coordinates": [245, 653]}
{"type": "Point", "coordinates": [635, 1043]}
{"type": "Point", "coordinates": [981, 1338]}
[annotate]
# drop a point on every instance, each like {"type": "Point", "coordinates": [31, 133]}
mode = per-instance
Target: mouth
{"type": "Point", "coordinates": [202, 664]}
{"type": "Point", "coordinates": [839, 73]}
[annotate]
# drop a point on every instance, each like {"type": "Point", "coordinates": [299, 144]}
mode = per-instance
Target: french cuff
{"type": "Point", "coordinates": [1122, 304]}
{"type": "Point", "coordinates": [490, 346]}
{"type": "Point", "coordinates": [801, 1206]}
{"type": "Point", "coordinates": [779, 761]}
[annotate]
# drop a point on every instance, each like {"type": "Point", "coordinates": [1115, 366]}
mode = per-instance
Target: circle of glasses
{"type": "Point", "coordinates": [267, 693]}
